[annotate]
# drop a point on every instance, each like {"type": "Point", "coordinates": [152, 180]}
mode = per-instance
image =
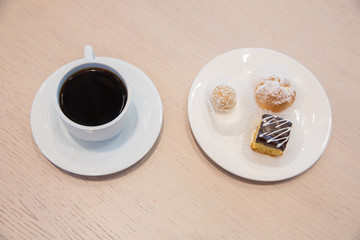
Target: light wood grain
{"type": "Point", "coordinates": [176, 192]}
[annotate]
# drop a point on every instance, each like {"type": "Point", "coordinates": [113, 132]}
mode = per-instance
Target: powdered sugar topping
{"type": "Point", "coordinates": [275, 88]}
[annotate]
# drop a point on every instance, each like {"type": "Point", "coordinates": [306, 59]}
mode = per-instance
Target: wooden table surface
{"type": "Point", "coordinates": [176, 191]}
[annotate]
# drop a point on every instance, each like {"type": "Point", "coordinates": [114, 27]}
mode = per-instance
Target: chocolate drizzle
{"type": "Point", "coordinates": [274, 131]}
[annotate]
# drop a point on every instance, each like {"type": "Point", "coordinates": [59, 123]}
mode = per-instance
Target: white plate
{"type": "Point", "coordinates": [310, 114]}
{"type": "Point", "coordinates": [106, 157]}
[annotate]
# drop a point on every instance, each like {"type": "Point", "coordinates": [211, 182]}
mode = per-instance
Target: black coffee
{"type": "Point", "coordinates": [92, 96]}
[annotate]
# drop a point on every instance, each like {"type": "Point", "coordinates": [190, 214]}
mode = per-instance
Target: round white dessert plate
{"type": "Point", "coordinates": [99, 158]}
{"type": "Point", "coordinates": [310, 115]}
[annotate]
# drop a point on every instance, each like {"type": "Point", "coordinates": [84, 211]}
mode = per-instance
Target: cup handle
{"type": "Point", "coordinates": [89, 53]}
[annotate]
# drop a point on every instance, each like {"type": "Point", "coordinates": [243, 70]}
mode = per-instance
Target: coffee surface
{"type": "Point", "coordinates": [92, 96]}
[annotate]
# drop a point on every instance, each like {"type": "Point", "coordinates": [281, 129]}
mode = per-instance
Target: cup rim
{"type": "Point", "coordinates": [78, 66]}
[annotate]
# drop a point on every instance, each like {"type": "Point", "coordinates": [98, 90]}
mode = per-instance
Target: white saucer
{"type": "Point", "coordinates": [106, 157]}
{"type": "Point", "coordinates": [310, 114]}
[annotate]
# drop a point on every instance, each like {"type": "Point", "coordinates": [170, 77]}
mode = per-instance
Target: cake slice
{"type": "Point", "coordinates": [272, 135]}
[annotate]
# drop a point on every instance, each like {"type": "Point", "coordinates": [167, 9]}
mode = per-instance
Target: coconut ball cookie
{"type": "Point", "coordinates": [223, 97]}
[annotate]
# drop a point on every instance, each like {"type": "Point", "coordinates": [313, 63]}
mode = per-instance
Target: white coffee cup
{"type": "Point", "coordinates": [91, 133]}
